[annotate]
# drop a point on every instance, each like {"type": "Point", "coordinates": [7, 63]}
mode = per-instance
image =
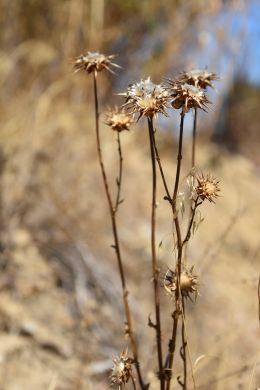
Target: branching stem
{"type": "Point", "coordinates": [116, 245]}
{"type": "Point", "coordinates": [193, 212]}
{"type": "Point", "coordinates": [177, 312]}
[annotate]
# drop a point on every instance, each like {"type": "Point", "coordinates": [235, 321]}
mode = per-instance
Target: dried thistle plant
{"type": "Point", "coordinates": [187, 96]}
{"type": "Point", "coordinates": [149, 100]}
{"type": "Point", "coordinates": [122, 370]}
{"type": "Point", "coordinates": [94, 62]}
{"type": "Point", "coordinates": [146, 98]}
{"type": "Point", "coordinates": [207, 187]}
{"type": "Point", "coordinates": [118, 119]}
{"type": "Point", "coordinates": [199, 78]}
{"type": "Point", "coordinates": [188, 282]}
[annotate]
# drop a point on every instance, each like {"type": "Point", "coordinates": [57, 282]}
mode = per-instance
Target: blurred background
{"type": "Point", "coordinates": [61, 317]}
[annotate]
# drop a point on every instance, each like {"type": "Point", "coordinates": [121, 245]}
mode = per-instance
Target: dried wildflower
{"type": "Point", "coordinates": [118, 119]}
{"type": "Point", "coordinates": [187, 96]}
{"type": "Point", "coordinates": [188, 282]}
{"type": "Point", "coordinates": [198, 78]}
{"type": "Point", "coordinates": [94, 61]}
{"type": "Point", "coordinates": [147, 98]}
{"type": "Point", "coordinates": [207, 187]}
{"type": "Point", "coordinates": [121, 372]}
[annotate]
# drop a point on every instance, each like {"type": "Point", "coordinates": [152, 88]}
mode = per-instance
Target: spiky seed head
{"type": "Point", "coordinates": [118, 119]}
{"type": "Point", "coordinates": [187, 96]}
{"type": "Point", "coordinates": [198, 78]}
{"type": "Point", "coordinates": [188, 282]}
{"type": "Point", "coordinates": [146, 98]}
{"type": "Point", "coordinates": [94, 61]}
{"type": "Point", "coordinates": [121, 370]}
{"type": "Point", "coordinates": [207, 187]}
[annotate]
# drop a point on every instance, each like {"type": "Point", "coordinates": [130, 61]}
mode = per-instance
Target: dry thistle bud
{"type": "Point", "coordinates": [147, 98]}
{"type": "Point", "coordinates": [188, 282]}
{"type": "Point", "coordinates": [118, 119]}
{"type": "Point", "coordinates": [187, 96]}
{"type": "Point", "coordinates": [207, 187]}
{"type": "Point", "coordinates": [198, 78]}
{"type": "Point", "coordinates": [121, 372]}
{"type": "Point", "coordinates": [94, 61]}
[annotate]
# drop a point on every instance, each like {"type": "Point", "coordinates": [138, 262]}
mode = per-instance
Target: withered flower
{"type": "Point", "coordinates": [146, 98]}
{"type": "Point", "coordinates": [207, 187]}
{"type": "Point", "coordinates": [118, 119]}
{"type": "Point", "coordinates": [121, 371]}
{"type": "Point", "coordinates": [187, 96]}
{"type": "Point", "coordinates": [198, 78]}
{"type": "Point", "coordinates": [94, 61]}
{"type": "Point", "coordinates": [188, 282]}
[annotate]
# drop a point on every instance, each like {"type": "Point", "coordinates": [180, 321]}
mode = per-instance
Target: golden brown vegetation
{"type": "Point", "coordinates": [61, 316]}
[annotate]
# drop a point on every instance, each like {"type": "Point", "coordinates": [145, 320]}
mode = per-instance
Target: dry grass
{"type": "Point", "coordinates": [50, 188]}
{"type": "Point", "coordinates": [61, 315]}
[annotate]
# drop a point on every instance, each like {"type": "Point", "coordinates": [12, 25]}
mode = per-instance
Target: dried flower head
{"type": "Point", "coordinates": [198, 78]}
{"type": "Point", "coordinates": [146, 98]}
{"type": "Point", "coordinates": [121, 370]}
{"type": "Point", "coordinates": [207, 187]}
{"type": "Point", "coordinates": [188, 282]}
{"type": "Point", "coordinates": [118, 119]}
{"type": "Point", "coordinates": [187, 96]}
{"type": "Point", "coordinates": [94, 61]}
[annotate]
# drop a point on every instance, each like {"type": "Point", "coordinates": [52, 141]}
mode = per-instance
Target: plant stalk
{"type": "Point", "coordinates": [172, 341]}
{"type": "Point", "coordinates": [119, 178]}
{"type": "Point", "coordinates": [183, 350]}
{"type": "Point", "coordinates": [116, 245]}
{"type": "Point", "coordinates": [155, 268]}
{"type": "Point", "coordinates": [194, 133]}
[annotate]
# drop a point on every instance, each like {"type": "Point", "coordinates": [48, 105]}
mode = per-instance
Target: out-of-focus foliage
{"type": "Point", "coordinates": [239, 128]}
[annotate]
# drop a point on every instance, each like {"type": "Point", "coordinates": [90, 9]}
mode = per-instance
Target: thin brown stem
{"type": "Point", "coordinates": [194, 134]}
{"type": "Point", "coordinates": [187, 343]}
{"type": "Point", "coordinates": [168, 196]}
{"type": "Point", "coordinates": [183, 349]}
{"type": "Point", "coordinates": [193, 212]}
{"type": "Point", "coordinates": [133, 382]}
{"type": "Point", "coordinates": [180, 303]}
{"type": "Point", "coordinates": [179, 158]}
{"type": "Point", "coordinates": [177, 312]}
{"type": "Point", "coordinates": [155, 268]}
{"type": "Point", "coordinates": [116, 245]}
{"type": "Point", "coordinates": [119, 178]}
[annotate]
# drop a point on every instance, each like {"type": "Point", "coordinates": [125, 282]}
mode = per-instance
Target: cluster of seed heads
{"type": "Point", "coordinates": [148, 99]}
{"type": "Point", "coordinates": [186, 92]}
